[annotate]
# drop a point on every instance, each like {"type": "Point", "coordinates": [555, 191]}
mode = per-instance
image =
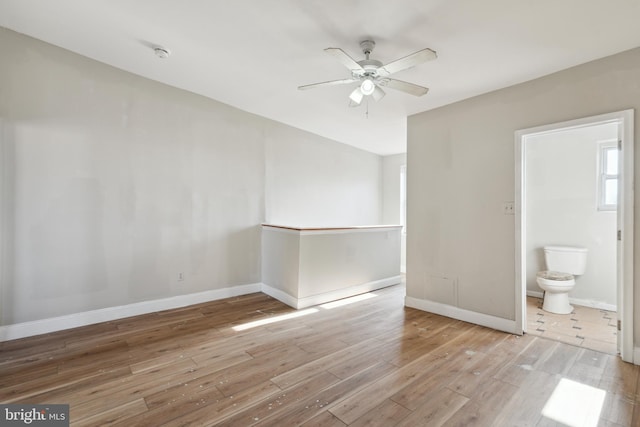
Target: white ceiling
{"type": "Point", "coordinates": [253, 54]}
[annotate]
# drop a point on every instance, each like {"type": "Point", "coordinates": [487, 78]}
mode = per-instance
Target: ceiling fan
{"type": "Point", "coordinates": [373, 75]}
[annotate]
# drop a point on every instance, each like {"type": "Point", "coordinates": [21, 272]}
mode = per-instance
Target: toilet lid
{"type": "Point", "coordinates": [555, 275]}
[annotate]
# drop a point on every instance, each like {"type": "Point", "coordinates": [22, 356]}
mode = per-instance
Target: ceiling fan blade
{"type": "Point", "coordinates": [329, 83]}
{"type": "Point", "coordinates": [407, 62]}
{"type": "Point", "coordinates": [356, 97]}
{"type": "Point", "coordinates": [346, 60]}
{"type": "Point", "coordinates": [405, 87]}
{"type": "Point", "coordinates": [378, 93]}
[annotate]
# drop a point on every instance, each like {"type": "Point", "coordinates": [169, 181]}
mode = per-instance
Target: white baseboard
{"type": "Point", "coordinates": [458, 313]}
{"type": "Point", "coordinates": [583, 302]}
{"type": "Point", "coordinates": [535, 294]}
{"type": "Point", "coordinates": [593, 304]}
{"type": "Point", "coordinates": [636, 356]}
{"type": "Point", "coordinates": [37, 327]}
{"type": "Point", "coordinates": [310, 301]}
{"type": "Point", "coordinates": [281, 296]}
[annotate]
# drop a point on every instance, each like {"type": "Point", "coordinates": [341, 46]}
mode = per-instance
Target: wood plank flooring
{"type": "Point", "coordinates": [366, 361]}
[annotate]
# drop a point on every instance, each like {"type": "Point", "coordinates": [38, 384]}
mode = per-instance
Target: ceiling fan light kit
{"type": "Point", "coordinates": [378, 93]}
{"type": "Point", "coordinates": [356, 96]}
{"type": "Point", "coordinates": [371, 74]}
{"type": "Point", "coordinates": [367, 87]}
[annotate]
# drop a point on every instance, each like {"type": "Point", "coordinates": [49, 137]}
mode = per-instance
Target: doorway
{"type": "Point", "coordinates": [532, 210]}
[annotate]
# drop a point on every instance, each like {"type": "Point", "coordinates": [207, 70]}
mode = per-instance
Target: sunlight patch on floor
{"type": "Point", "coordinates": [299, 313]}
{"type": "Point", "coordinates": [274, 319]}
{"type": "Point", "coordinates": [346, 301]}
{"type": "Point", "coordinates": [575, 404]}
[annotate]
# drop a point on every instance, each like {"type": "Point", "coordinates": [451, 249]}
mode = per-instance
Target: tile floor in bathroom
{"type": "Point", "coordinates": [587, 327]}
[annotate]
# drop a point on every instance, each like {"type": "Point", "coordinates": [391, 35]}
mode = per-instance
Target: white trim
{"type": "Point", "coordinates": [582, 302]}
{"type": "Point", "coordinates": [593, 304]}
{"type": "Point", "coordinates": [312, 300]}
{"type": "Point", "coordinates": [625, 224]}
{"type": "Point", "coordinates": [636, 353]}
{"type": "Point", "coordinates": [625, 220]}
{"type": "Point", "coordinates": [281, 230]}
{"type": "Point", "coordinates": [43, 326]}
{"type": "Point", "coordinates": [350, 230]}
{"type": "Point", "coordinates": [403, 198]}
{"type": "Point", "coordinates": [280, 295]}
{"type": "Point", "coordinates": [487, 320]}
{"type": "Point", "coordinates": [601, 193]}
{"type": "Point", "coordinates": [535, 294]}
{"type": "Point", "coordinates": [520, 235]}
{"type": "Point", "coordinates": [311, 231]}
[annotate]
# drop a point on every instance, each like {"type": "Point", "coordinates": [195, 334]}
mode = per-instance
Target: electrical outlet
{"type": "Point", "coordinates": [180, 277]}
{"type": "Point", "coordinates": [508, 208]}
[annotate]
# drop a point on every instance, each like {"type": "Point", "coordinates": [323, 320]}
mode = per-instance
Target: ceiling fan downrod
{"type": "Point", "coordinates": [367, 47]}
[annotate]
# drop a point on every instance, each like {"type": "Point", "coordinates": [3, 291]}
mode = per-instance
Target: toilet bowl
{"type": "Point", "coordinates": [563, 263]}
{"type": "Point", "coordinates": [556, 286]}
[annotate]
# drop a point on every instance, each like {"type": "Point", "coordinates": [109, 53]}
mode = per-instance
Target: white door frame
{"type": "Point", "coordinates": [625, 223]}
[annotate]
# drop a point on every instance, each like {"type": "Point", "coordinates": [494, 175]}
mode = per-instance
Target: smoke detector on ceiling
{"type": "Point", "coordinates": [161, 52]}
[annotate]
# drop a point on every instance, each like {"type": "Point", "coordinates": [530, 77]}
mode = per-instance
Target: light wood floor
{"type": "Point", "coordinates": [370, 362]}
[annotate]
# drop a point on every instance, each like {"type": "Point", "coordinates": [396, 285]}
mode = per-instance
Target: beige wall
{"type": "Point", "coordinates": [113, 184]}
{"type": "Point", "coordinates": [311, 182]}
{"type": "Point", "coordinates": [307, 267]}
{"type": "Point", "coordinates": [461, 170]}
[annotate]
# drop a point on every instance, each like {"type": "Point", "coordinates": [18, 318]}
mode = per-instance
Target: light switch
{"type": "Point", "coordinates": [508, 208]}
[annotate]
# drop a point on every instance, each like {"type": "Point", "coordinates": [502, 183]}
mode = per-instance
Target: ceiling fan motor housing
{"type": "Point", "coordinates": [369, 68]}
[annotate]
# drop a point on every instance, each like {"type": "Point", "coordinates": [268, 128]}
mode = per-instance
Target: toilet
{"type": "Point", "coordinates": [563, 263]}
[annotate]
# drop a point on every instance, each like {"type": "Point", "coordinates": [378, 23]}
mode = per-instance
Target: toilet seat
{"type": "Point", "coordinates": [554, 275]}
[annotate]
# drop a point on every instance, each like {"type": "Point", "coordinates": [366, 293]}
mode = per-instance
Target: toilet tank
{"type": "Point", "coordinates": [566, 259]}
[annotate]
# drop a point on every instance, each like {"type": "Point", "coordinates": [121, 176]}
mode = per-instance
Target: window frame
{"type": "Point", "coordinates": [603, 176]}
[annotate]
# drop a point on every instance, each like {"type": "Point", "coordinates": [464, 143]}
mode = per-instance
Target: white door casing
{"type": "Point", "coordinates": [624, 221]}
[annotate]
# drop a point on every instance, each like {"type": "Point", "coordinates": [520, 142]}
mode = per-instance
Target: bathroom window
{"type": "Point", "coordinates": [608, 176]}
